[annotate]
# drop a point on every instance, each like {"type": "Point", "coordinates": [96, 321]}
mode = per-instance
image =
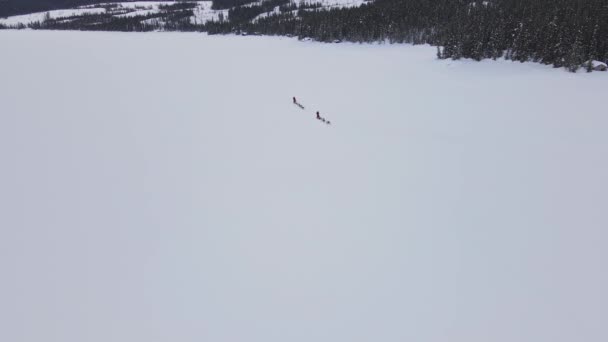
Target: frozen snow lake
{"type": "Point", "coordinates": [163, 187]}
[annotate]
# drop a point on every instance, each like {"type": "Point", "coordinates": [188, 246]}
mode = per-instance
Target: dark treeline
{"type": "Point", "coordinates": [15, 7]}
{"type": "Point", "coordinates": [178, 6]}
{"type": "Point", "coordinates": [173, 17]}
{"type": "Point", "coordinates": [563, 33]}
{"type": "Point", "coordinates": [225, 4]}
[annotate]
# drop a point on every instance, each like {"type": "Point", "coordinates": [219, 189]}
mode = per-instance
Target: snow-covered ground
{"type": "Point", "coordinates": [163, 187]}
{"type": "Point", "coordinates": [203, 13]}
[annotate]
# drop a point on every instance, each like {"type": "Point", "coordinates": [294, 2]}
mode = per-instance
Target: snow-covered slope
{"type": "Point", "coordinates": [30, 18]}
{"type": "Point", "coordinates": [202, 11]}
{"type": "Point", "coordinates": [163, 187]}
{"type": "Point", "coordinates": [124, 9]}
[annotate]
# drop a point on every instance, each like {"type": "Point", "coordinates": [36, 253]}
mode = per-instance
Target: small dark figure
{"type": "Point", "coordinates": [294, 99]}
{"type": "Point", "coordinates": [318, 116]}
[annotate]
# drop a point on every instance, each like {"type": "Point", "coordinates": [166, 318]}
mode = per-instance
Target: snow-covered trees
{"type": "Point", "coordinates": [563, 33]}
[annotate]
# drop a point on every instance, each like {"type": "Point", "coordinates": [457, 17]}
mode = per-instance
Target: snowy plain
{"type": "Point", "coordinates": [163, 187]}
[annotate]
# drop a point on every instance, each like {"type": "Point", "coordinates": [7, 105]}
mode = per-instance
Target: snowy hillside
{"type": "Point", "coordinates": [125, 9]}
{"type": "Point", "coordinates": [163, 187]}
{"type": "Point", "coordinates": [202, 10]}
{"type": "Point", "coordinates": [30, 18]}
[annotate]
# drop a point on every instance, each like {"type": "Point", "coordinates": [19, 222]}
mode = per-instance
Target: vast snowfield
{"type": "Point", "coordinates": [163, 187]}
